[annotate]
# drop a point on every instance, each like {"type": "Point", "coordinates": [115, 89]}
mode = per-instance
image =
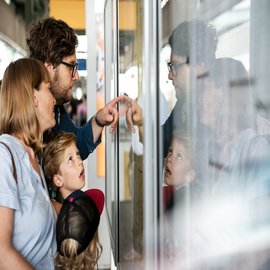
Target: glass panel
{"type": "Point", "coordinates": [215, 189]}
{"type": "Point", "coordinates": [130, 148]}
{"type": "Point", "coordinates": [111, 67]}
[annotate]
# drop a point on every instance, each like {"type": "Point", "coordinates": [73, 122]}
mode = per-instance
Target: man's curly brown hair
{"type": "Point", "coordinates": [50, 40]}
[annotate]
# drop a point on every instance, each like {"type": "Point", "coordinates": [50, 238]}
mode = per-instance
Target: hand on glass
{"type": "Point", "coordinates": [134, 114]}
{"type": "Point", "coordinates": [109, 115]}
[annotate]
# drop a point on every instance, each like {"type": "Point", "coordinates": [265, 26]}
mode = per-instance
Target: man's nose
{"type": "Point", "coordinates": [77, 76]}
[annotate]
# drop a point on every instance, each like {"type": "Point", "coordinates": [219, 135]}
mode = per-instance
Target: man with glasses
{"type": "Point", "coordinates": [194, 40]}
{"type": "Point", "coordinates": [54, 43]}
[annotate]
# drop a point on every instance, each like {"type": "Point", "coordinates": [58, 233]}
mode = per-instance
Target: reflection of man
{"type": "Point", "coordinates": [193, 45]}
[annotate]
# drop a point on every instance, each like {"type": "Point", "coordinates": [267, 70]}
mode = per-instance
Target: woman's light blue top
{"type": "Point", "coordinates": [34, 216]}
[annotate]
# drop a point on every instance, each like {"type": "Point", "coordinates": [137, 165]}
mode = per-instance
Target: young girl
{"type": "Point", "coordinates": [76, 231]}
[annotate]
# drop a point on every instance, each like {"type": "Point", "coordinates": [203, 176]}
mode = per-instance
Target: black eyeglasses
{"type": "Point", "coordinates": [174, 66]}
{"type": "Point", "coordinates": [73, 66]}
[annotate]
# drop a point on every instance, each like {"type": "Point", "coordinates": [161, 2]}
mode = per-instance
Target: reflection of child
{"type": "Point", "coordinates": [178, 169]}
{"type": "Point", "coordinates": [179, 193]}
{"type": "Point", "coordinates": [77, 236]}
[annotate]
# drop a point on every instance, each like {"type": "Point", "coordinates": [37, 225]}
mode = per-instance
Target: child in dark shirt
{"type": "Point", "coordinates": [78, 220]}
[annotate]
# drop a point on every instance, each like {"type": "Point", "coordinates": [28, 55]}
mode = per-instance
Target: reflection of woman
{"type": "Point", "coordinates": [225, 106]}
{"type": "Point", "coordinates": [237, 160]}
{"type": "Point", "coordinates": [226, 102]}
{"type": "Point", "coordinates": [27, 218]}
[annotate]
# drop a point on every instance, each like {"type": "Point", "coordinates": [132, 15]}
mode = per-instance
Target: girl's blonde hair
{"type": "Point", "coordinates": [18, 114]}
{"type": "Point", "coordinates": [84, 261]}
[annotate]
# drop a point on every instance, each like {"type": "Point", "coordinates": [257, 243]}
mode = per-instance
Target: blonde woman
{"type": "Point", "coordinates": [27, 218]}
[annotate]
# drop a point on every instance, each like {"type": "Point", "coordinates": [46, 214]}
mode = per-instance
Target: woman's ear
{"type": "Point", "coordinates": [36, 93]}
{"type": "Point", "coordinates": [57, 180]}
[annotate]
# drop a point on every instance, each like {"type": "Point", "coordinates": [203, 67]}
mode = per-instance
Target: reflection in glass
{"type": "Point", "coordinates": [215, 189]}
{"type": "Point", "coordinates": [130, 148]}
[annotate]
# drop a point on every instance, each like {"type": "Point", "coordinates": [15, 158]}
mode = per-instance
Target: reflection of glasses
{"type": "Point", "coordinates": [177, 156]}
{"type": "Point", "coordinates": [73, 66]}
{"type": "Point", "coordinates": [174, 66]}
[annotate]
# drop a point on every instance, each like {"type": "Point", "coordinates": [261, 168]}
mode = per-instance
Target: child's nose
{"type": "Point", "coordinates": [169, 157]}
{"type": "Point", "coordinates": [170, 75]}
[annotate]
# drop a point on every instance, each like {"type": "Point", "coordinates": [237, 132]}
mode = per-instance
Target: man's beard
{"type": "Point", "coordinates": [65, 100]}
{"type": "Point", "coordinates": [59, 94]}
{"type": "Point", "coordinates": [180, 94]}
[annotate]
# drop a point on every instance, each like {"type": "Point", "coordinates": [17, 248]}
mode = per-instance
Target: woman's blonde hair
{"type": "Point", "coordinates": [18, 114]}
{"type": "Point", "coordinates": [84, 261]}
{"type": "Point", "coordinates": [236, 112]}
